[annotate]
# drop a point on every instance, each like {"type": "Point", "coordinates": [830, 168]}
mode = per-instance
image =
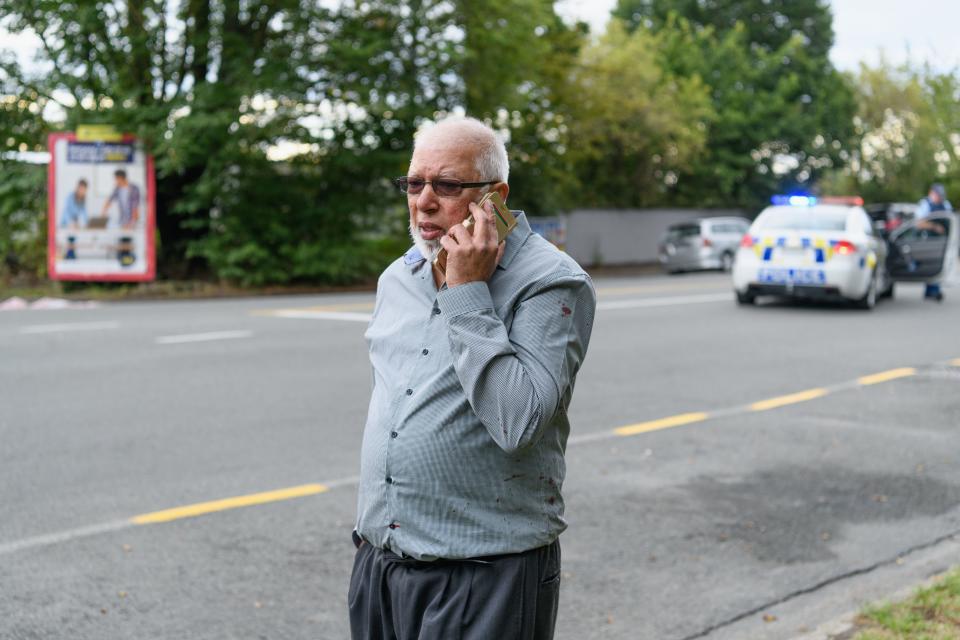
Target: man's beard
{"type": "Point", "coordinates": [428, 248]}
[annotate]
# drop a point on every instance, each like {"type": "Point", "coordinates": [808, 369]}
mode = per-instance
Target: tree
{"type": "Point", "coordinates": [782, 112]}
{"type": "Point", "coordinates": [277, 124]}
{"type": "Point", "coordinates": [908, 133]}
{"type": "Point", "coordinates": [769, 24]}
{"type": "Point", "coordinates": [634, 125]}
{"type": "Point", "coordinates": [538, 121]}
{"type": "Point", "coordinates": [208, 85]}
{"type": "Point", "coordinates": [23, 185]}
{"type": "Point", "coordinates": [502, 47]}
{"type": "Point", "coordinates": [23, 237]}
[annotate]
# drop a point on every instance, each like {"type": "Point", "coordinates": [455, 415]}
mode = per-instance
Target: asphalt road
{"type": "Point", "coordinates": [732, 473]}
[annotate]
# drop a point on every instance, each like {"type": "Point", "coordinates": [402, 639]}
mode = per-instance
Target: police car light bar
{"type": "Point", "coordinates": [794, 201]}
{"type": "Point", "coordinates": [853, 201]}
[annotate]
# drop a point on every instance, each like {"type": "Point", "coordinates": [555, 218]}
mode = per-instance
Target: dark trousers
{"type": "Point", "coordinates": [931, 290]}
{"type": "Point", "coordinates": [509, 597]}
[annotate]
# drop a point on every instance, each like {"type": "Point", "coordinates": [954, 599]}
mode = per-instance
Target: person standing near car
{"type": "Point", "coordinates": [935, 202]}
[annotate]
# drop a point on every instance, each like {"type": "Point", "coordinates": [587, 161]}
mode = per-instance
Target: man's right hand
{"type": "Point", "coordinates": [472, 255]}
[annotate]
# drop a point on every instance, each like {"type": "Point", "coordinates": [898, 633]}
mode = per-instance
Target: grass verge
{"type": "Point", "coordinates": [932, 613]}
{"type": "Point", "coordinates": [167, 290]}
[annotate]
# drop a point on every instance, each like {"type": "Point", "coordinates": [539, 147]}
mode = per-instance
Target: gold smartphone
{"type": "Point", "coordinates": [501, 215]}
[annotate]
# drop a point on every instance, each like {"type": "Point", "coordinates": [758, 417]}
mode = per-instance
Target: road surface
{"type": "Point", "coordinates": [188, 469]}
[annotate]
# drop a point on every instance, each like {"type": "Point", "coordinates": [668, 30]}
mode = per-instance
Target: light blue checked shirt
{"type": "Point", "coordinates": [467, 426]}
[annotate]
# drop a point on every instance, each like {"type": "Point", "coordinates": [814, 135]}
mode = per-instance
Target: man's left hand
{"type": "Point", "coordinates": [472, 257]}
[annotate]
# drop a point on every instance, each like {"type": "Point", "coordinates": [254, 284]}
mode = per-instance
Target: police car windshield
{"type": "Point", "coordinates": [803, 218]}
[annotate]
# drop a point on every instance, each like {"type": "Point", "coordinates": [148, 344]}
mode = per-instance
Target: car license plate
{"type": "Point", "coordinates": [792, 255]}
{"type": "Point", "coordinates": [792, 276]}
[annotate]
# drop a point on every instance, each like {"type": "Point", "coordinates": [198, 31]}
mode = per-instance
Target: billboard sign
{"type": "Point", "coordinates": [101, 209]}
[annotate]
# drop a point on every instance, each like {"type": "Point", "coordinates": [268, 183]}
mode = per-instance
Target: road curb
{"type": "Point", "coordinates": [844, 627]}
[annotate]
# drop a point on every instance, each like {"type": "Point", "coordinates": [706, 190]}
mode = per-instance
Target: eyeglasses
{"type": "Point", "coordinates": [443, 188]}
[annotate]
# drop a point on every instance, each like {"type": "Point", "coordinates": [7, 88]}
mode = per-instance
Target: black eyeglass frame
{"type": "Point", "coordinates": [403, 183]}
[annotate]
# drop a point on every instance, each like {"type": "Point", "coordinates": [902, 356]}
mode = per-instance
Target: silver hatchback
{"type": "Point", "coordinates": [707, 243]}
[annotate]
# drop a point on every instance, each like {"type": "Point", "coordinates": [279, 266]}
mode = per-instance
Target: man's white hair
{"type": "Point", "coordinates": [491, 158]}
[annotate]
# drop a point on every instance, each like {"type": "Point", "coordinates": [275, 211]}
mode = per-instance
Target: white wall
{"type": "Point", "coordinates": [625, 236]}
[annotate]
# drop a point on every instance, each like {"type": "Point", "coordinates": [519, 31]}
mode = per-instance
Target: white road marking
{"type": "Point", "coordinates": [62, 536]}
{"type": "Point", "coordinates": [667, 301]}
{"type": "Point", "coordinates": [306, 314]}
{"type": "Point", "coordinates": [69, 535]}
{"type": "Point", "coordinates": [203, 337]}
{"type": "Point", "coordinates": [70, 326]}
{"type": "Point", "coordinates": [632, 303]}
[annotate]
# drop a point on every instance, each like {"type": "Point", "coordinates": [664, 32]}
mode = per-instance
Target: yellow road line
{"type": "Point", "coordinates": [662, 423]}
{"type": "Point", "coordinates": [886, 376]}
{"type": "Point", "coordinates": [679, 420]}
{"type": "Point", "coordinates": [203, 508]}
{"type": "Point", "coordinates": [792, 398]}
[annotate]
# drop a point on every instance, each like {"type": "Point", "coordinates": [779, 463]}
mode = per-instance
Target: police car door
{"type": "Point", "coordinates": [920, 254]}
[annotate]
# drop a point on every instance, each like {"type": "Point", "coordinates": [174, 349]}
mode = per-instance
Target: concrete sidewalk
{"type": "Point", "coordinates": [829, 612]}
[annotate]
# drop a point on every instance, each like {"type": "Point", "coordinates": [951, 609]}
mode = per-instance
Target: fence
{"type": "Point", "coordinates": [595, 237]}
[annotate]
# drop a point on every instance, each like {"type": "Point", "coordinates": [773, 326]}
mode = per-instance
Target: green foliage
{"type": "Point", "coordinates": [908, 134]}
{"type": "Point", "coordinates": [277, 124]}
{"type": "Point", "coordinates": [782, 113]}
{"type": "Point", "coordinates": [628, 145]}
{"type": "Point", "coordinates": [502, 51]}
{"type": "Point", "coordinates": [516, 67]}
{"type": "Point", "coordinates": [932, 613]}
{"type": "Point", "coordinates": [213, 88]}
{"type": "Point", "coordinates": [769, 24]}
{"type": "Point", "coordinates": [23, 220]}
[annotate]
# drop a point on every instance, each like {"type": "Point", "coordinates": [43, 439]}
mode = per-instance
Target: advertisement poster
{"type": "Point", "coordinates": [101, 209]}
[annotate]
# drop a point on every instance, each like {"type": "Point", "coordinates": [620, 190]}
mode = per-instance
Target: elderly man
{"type": "Point", "coordinates": [463, 451]}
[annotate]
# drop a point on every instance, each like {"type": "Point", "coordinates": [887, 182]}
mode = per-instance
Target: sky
{"type": "Point", "coordinates": [905, 30]}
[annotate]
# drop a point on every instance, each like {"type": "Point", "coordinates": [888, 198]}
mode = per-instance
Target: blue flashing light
{"type": "Point", "coordinates": [794, 201]}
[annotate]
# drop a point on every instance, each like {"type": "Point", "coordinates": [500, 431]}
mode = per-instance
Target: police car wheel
{"type": "Point", "coordinates": [869, 299]}
{"type": "Point", "coordinates": [745, 298]}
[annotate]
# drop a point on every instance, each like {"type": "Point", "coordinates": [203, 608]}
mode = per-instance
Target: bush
{"type": "Point", "coordinates": [23, 222]}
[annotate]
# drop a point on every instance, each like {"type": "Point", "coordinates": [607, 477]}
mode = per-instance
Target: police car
{"type": "Point", "coordinates": [806, 247]}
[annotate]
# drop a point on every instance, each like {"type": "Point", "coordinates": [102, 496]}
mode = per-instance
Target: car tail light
{"type": "Point", "coordinates": [707, 243]}
{"type": "Point", "coordinates": [845, 248]}
{"type": "Point", "coordinates": [746, 241]}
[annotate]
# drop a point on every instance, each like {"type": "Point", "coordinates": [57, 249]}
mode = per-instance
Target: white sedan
{"type": "Point", "coordinates": [812, 250]}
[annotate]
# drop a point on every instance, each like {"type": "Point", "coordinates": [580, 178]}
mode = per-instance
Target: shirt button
{"type": "Point", "coordinates": [409, 392]}
{"type": "Point", "coordinates": [436, 311]}
{"type": "Point", "coordinates": [389, 480]}
{"type": "Point", "coordinates": [425, 351]}
{"type": "Point", "coordinates": [394, 434]}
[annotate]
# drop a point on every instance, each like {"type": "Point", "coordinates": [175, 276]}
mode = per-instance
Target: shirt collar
{"type": "Point", "coordinates": [517, 238]}
{"type": "Point", "coordinates": [413, 257]}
